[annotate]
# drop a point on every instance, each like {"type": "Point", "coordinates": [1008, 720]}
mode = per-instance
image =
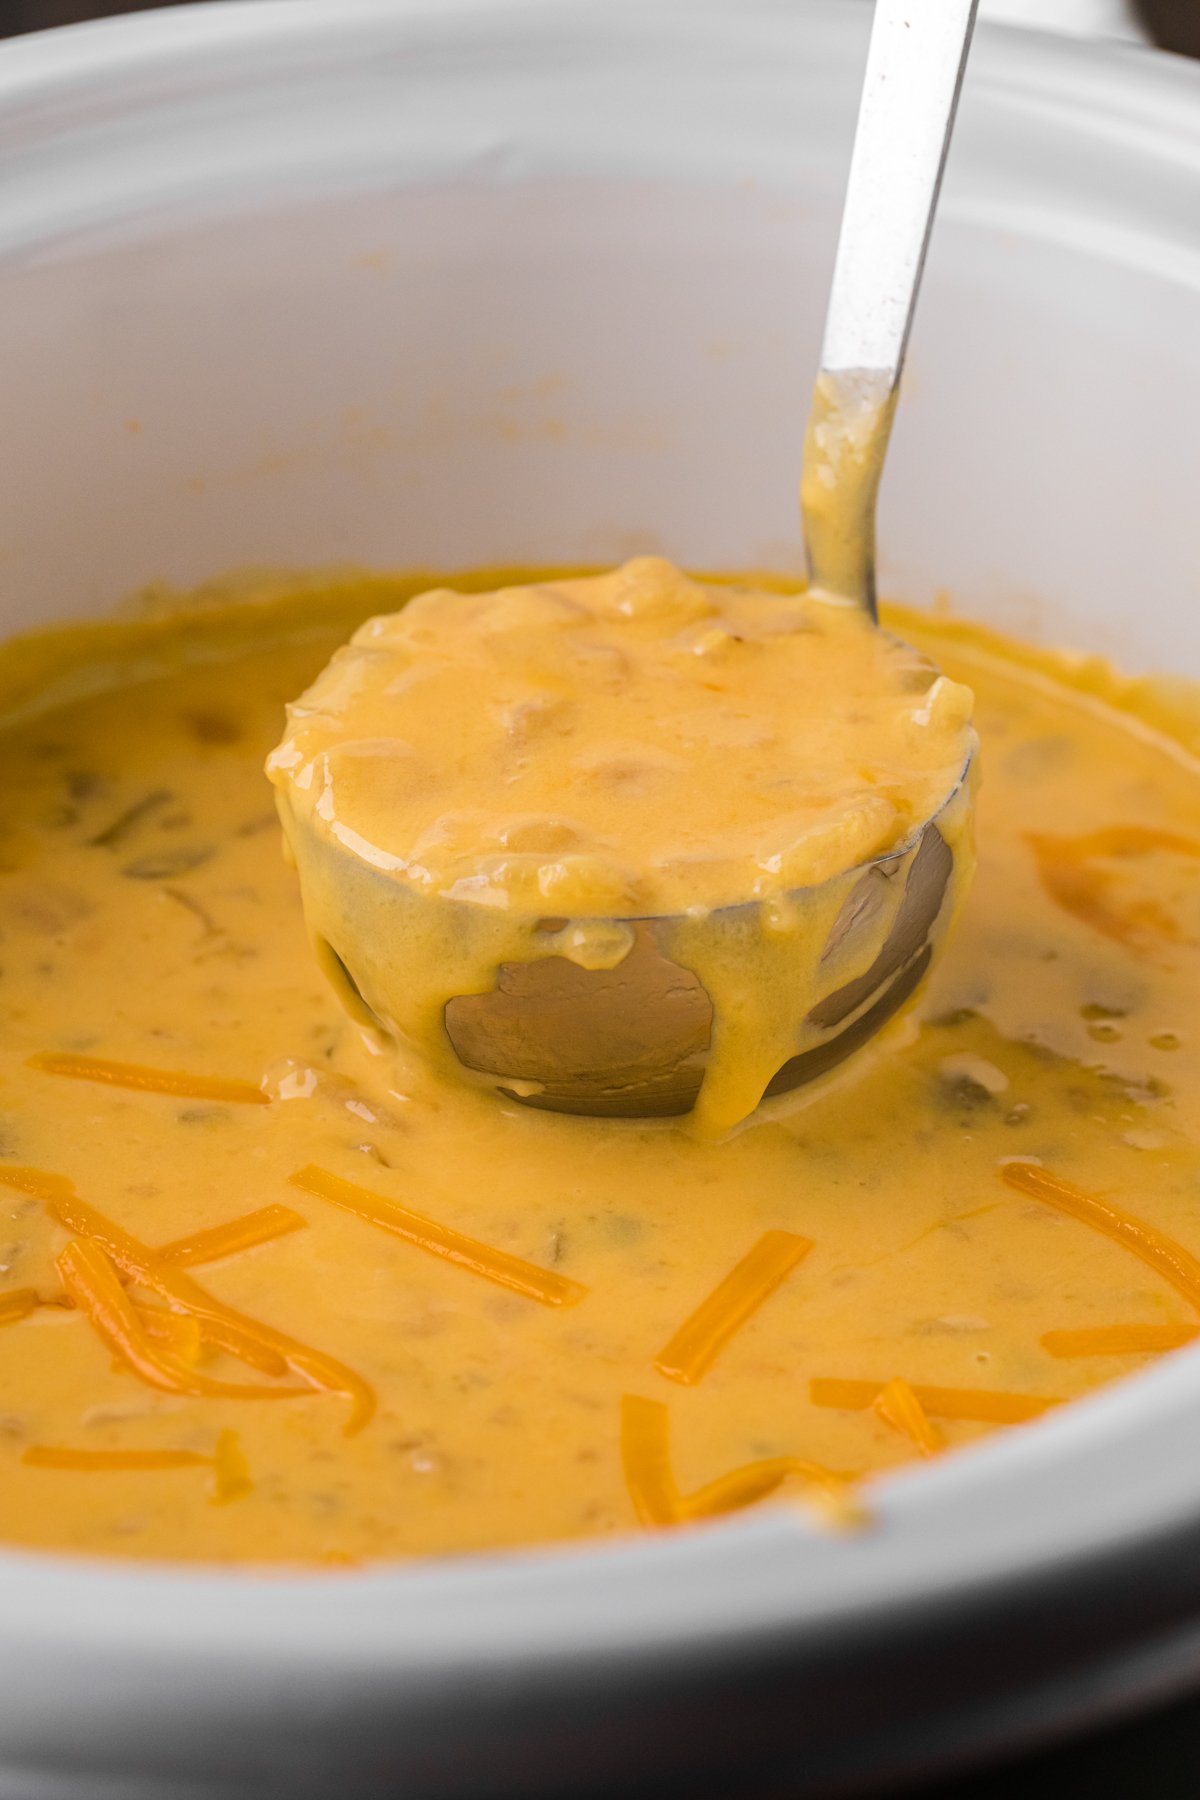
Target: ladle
{"type": "Point", "coordinates": [915, 67]}
{"type": "Point", "coordinates": [634, 1040]}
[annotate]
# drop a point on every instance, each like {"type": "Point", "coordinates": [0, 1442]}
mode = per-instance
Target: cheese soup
{"type": "Point", "coordinates": [276, 1289]}
{"type": "Point", "coordinates": [670, 785]}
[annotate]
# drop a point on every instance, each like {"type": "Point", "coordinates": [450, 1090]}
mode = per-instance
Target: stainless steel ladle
{"type": "Point", "coordinates": [632, 1041]}
{"type": "Point", "coordinates": [915, 68]}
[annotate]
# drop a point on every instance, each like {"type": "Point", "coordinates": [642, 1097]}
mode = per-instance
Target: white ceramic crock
{"type": "Point", "coordinates": [434, 282]}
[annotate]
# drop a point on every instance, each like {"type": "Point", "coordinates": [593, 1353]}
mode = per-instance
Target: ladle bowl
{"type": "Point", "coordinates": [633, 1040]}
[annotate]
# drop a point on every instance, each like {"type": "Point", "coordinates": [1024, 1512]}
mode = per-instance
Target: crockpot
{"type": "Point", "coordinates": [429, 283]}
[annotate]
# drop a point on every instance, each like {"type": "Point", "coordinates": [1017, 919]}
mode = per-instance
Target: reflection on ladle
{"type": "Point", "coordinates": [638, 1011]}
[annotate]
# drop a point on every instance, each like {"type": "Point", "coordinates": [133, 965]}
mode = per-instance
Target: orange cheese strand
{"type": "Point", "coordinates": [231, 1479]}
{"type": "Point", "coordinates": [700, 1339]}
{"type": "Point", "coordinates": [1153, 1247]}
{"type": "Point", "coordinates": [978, 1404]}
{"type": "Point", "coordinates": [87, 1462]}
{"type": "Point", "coordinates": [226, 1330]}
{"type": "Point", "coordinates": [249, 1338]}
{"type": "Point", "coordinates": [1119, 1340]}
{"type": "Point", "coordinates": [263, 1347]}
{"type": "Point", "coordinates": [41, 1183]}
{"type": "Point", "coordinates": [899, 1407]}
{"type": "Point", "coordinates": [646, 1460]}
{"type": "Point", "coordinates": [218, 1241]}
{"type": "Point", "coordinates": [755, 1481]}
{"type": "Point", "coordinates": [179, 1331]}
{"type": "Point", "coordinates": [90, 1279]}
{"type": "Point", "coordinates": [137, 1262]}
{"type": "Point", "coordinates": [147, 1080]}
{"type": "Point", "coordinates": [17, 1304]}
{"type": "Point", "coordinates": [440, 1240]}
{"type": "Point", "coordinates": [221, 1326]}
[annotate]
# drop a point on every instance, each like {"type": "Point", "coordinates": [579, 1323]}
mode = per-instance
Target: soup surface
{"type": "Point", "coordinates": [638, 741]}
{"type": "Point", "coordinates": [268, 1294]}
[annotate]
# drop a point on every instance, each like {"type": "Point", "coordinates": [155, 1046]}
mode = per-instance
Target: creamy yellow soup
{"type": "Point", "coordinates": [638, 741]}
{"type": "Point", "coordinates": [530, 774]}
{"type": "Point", "coordinates": [270, 1291]}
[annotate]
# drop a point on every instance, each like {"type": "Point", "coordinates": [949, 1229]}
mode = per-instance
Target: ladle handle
{"type": "Point", "coordinates": [914, 73]}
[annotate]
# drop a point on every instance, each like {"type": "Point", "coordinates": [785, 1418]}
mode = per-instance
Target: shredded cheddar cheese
{"type": "Point", "coordinates": [899, 1407]}
{"type": "Point", "coordinates": [701, 1338]}
{"type": "Point", "coordinates": [90, 1462]}
{"type": "Point", "coordinates": [231, 1472]}
{"type": "Point", "coordinates": [219, 1241]}
{"type": "Point", "coordinates": [1119, 1340]}
{"type": "Point", "coordinates": [146, 1080]}
{"type": "Point", "coordinates": [178, 1330]}
{"type": "Point", "coordinates": [91, 1281]}
{"type": "Point", "coordinates": [646, 1459]}
{"type": "Point", "coordinates": [231, 1477]}
{"type": "Point", "coordinates": [272, 1351]}
{"type": "Point", "coordinates": [440, 1240]}
{"type": "Point", "coordinates": [1153, 1247]}
{"type": "Point", "coordinates": [944, 1403]}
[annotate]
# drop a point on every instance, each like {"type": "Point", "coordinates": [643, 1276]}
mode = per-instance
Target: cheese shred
{"type": "Point", "coordinates": [93, 1462]}
{"type": "Point", "coordinates": [646, 1460]}
{"type": "Point", "coordinates": [231, 1473]}
{"type": "Point", "coordinates": [701, 1338]}
{"type": "Point", "coordinates": [219, 1241]}
{"type": "Point", "coordinates": [440, 1240]}
{"type": "Point", "coordinates": [253, 1342]}
{"type": "Point", "coordinates": [1119, 1340]}
{"type": "Point", "coordinates": [231, 1477]}
{"type": "Point", "coordinates": [977, 1404]}
{"type": "Point", "coordinates": [1153, 1247]}
{"type": "Point", "coordinates": [898, 1406]}
{"type": "Point", "coordinates": [90, 1278]}
{"type": "Point", "coordinates": [147, 1080]}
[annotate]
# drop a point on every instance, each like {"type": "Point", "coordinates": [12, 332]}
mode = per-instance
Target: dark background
{"type": "Point", "coordinates": [38, 15]}
{"type": "Point", "coordinates": [1175, 24]}
{"type": "Point", "coordinates": [1156, 1758]}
